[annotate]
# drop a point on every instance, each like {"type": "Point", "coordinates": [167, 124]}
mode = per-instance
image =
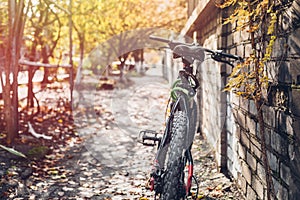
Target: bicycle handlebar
{"type": "Point", "coordinates": [217, 55]}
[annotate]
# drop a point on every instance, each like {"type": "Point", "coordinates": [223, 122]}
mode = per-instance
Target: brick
{"type": "Point", "coordinates": [275, 142]}
{"type": "Point", "coordinates": [244, 103]}
{"type": "Point", "coordinates": [252, 108]}
{"type": "Point", "coordinates": [280, 191]}
{"type": "Point", "coordinates": [235, 170]}
{"type": "Point", "coordinates": [268, 135]}
{"type": "Point", "coordinates": [242, 184]}
{"type": "Point", "coordinates": [251, 125]}
{"type": "Point", "coordinates": [241, 151]}
{"type": "Point", "coordinates": [256, 150]}
{"type": "Point", "coordinates": [245, 139]}
{"type": "Point", "coordinates": [245, 36]}
{"type": "Point", "coordinates": [246, 171]}
{"type": "Point", "coordinates": [279, 144]}
{"type": "Point", "coordinates": [234, 99]}
{"type": "Point", "coordinates": [289, 127]}
{"type": "Point", "coordinates": [273, 161]}
{"type": "Point", "coordinates": [269, 115]}
{"type": "Point", "coordinates": [250, 193]}
{"type": "Point", "coordinates": [240, 118]}
{"type": "Point", "coordinates": [237, 133]}
{"type": "Point", "coordinates": [255, 147]}
{"type": "Point", "coordinates": [236, 37]}
{"type": "Point", "coordinates": [261, 173]}
{"type": "Point", "coordinates": [258, 187]}
{"type": "Point", "coordinates": [285, 173]}
{"type": "Point", "coordinates": [248, 49]}
{"type": "Point", "coordinates": [240, 50]}
{"type": "Point", "coordinates": [229, 40]}
{"type": "Point", "coordinates": [251, 161]}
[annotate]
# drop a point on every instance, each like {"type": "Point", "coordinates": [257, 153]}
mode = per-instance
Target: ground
{"type": "Point", "coordinates": [94, 153]}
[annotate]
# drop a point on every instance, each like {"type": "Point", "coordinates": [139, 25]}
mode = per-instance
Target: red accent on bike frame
{"type": "Point", "coordinates": [151, 184]}
{"type": "Point", "coordinates": [190, 177]}
{"type": "Point", "coordinates": [152, 180]}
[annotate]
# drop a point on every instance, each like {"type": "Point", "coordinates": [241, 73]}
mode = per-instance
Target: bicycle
{"type": "Point", "coordinates": [168, 178]}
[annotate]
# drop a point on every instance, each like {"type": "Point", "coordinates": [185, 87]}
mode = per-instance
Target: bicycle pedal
{"type": "Point", "coordinates": [149, 138]}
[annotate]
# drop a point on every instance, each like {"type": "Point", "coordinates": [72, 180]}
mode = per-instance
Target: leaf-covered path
{"type": "Point", "coordinates": [101, 158]}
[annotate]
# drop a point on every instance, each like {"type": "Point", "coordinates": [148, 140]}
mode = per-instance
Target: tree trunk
{"type": "Point", "coordinates": [71, 51]}
{"type": "Point", "coordinates": [122, 59]}
{"type": "Point", "coordinates": [45, 60]}
{"type": "Point", "coordinates": [79, 69]}
{"type": "Point", "coordinates": [10, 92]}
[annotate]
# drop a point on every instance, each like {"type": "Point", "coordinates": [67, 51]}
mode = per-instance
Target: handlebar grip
{"type": "Point", "coordinates": [231, 56]}
{"type": "Point", "coordinates": [159, 39]}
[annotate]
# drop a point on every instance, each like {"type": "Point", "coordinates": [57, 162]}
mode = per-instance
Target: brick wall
{"type": "Point", "coordinates": [244, 144]}
{"type": "Point", "coordinates": [230, 122]}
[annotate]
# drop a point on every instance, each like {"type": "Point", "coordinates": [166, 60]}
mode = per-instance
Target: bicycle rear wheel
{"type": "Point", "coordinates": [173, 186]}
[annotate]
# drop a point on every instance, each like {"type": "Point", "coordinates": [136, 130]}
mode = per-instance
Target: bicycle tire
{"type": "Point", "coordinates": [173, 188]}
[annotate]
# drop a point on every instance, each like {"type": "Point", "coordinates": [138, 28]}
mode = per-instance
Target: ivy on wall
{"type": "Point", "coordinates": [250, 79]}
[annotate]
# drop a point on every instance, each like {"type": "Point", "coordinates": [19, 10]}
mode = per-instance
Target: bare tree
{"type": "Point", "coordinates": [16, 21]}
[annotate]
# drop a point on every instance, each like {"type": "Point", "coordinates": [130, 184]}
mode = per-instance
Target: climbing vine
{"type": "Point", "coordinates": [257, 18]}
{"type": "Point", "coordinates": [250, 79]}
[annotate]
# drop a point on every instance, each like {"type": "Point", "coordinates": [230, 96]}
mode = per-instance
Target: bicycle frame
{"type": "Point", "coordinates": [186, 103]}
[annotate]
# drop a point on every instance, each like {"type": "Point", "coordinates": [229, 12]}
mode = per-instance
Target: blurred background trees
{"type": "Point", "coordinates": [39, 31]}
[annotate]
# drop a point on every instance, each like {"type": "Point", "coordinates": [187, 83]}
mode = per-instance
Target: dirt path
{"type": "Point", "coordinates": [104, 161]}
{"type": "Point", "coordinates": [113, 143]}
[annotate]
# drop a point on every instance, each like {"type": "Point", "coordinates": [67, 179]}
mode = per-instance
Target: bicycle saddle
{"type": "Point", "coordinates": [196, 52]}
